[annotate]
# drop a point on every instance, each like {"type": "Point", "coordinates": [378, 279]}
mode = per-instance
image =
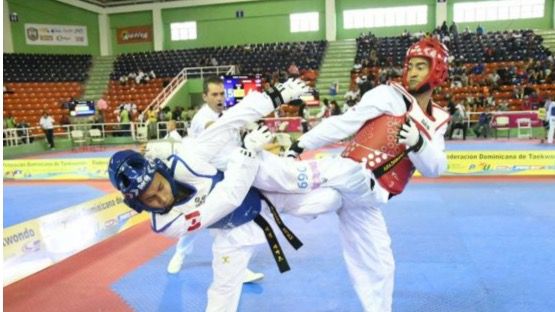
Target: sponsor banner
{"type": "Point", "coordinates": [478, 163]}
{"type": "Point", "coordinates": [135, 34]}
{"type": "Point", "coordinates": [56, 169]}
{"type": "Point", "coordinates": [36, 244]}
{"type": "Point", "coordinates": [501, 163]}
{"type": "Point", "coordinates": [66, 35]}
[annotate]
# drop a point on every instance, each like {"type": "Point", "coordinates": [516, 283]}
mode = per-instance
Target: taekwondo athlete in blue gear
{"type": "Point", "coordinates": [198, 201]}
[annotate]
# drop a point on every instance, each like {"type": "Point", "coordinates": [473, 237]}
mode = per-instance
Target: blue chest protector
{"type": "Point", "coordinates": [246, 212]}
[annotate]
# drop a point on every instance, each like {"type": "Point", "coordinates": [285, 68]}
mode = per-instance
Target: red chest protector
{"type": "Point", "coordinates": [376, 143]}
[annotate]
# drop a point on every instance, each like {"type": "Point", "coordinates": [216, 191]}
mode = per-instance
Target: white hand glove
{"type": "Point", "coordinates": [255, 140]}
{"type": "Point", "coordinates": [292, 89]}
{"type": "Point", "coordinates": [410, 136]}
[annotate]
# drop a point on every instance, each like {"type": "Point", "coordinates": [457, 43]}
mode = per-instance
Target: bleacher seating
{"type": "Point", "coordinates": [45, 67]}
{"type": "Point", "coordinates": [466, 47]}
{"type": "Point", "coordinates": [38, 82]}
{"type": "Point", "coordinates": [139, 94]}
{"type": "Point", "coordinates": [517, 50]}
{"type": "Point", "coordinates": [251, 58]}
{"type": "Point", "coordinates": [30, 99]}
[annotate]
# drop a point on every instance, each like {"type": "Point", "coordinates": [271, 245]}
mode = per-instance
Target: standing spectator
{"type": "Point", "coordinates": [334, 88]}
{"type": "Point", "coordinates": [151, 121]}
{"type": "Point", "coordinates": [10, 122]}
{"type": "Point", "coordinates": [458, 121]}
{"type": "Point", "coordinates": [324, 109]}
{"type": "Point", "coordinates": [125, 119]}
{"type": "Point", "coordinates": [47, 124]}
{"type": "Point", "coordinates": [550, 118]}
{"type": "Point", "coordinates": [479, 30]}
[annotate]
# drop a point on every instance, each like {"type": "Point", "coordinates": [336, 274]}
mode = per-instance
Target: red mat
{"type": "Point", "coordinates": [82, 282]}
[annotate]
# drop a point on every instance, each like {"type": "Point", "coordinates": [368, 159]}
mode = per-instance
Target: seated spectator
{"type": "Point", "coordinates": [334, 108]}
{"type": "Point", "coordinates": [483, 126]}
{"type": "Point", "coordinates": [123, 80]}
{"type": "Point", "coordinates": [23, 131]}
{"type": "Point", "coordinates": [353, 94]}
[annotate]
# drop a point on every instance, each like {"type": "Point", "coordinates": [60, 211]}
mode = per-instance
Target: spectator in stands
{"type": "Point", "coordinates": [334, 88]}
{"type": "Point", "coordinates": [453, 30]}
{"type": "Point", "coordinates": [293, 70]}
{"type": "Point", "coordinates": [478, 69]}
{"type": "Point", "coordinates": [334, 108]}
{"type": "Point", "coordinates": [503, 105]}
{"type": "Point", "coordinates": [353, 95]}
{"type": "Point", "coordinates": [9, 122]}
{"type": "Point", "coordinates": [151, 121]}
{"type": "Point", "coordinates": [125, 120]}
{"type": "Point", "coordinates": [151, 74]}
{"type": "Point", "coordinates": [140, 77]}
{"type": "Point", "coordinates": [213, 61]}
{"type": "Point", "coordinates": [458, 121]}
{"type": "Point", "coordinates": [46, 122]}
{"type": "Point", "coordinates": [123, 80]}
{"type": "Point", "coordinates": [518, 92]}
{"type": "Point", "coordinates": [324, 109]}
{"type": "Point", "coordinates": [479, 30]}
{"type": "Point", "coordinates": [482, 128]}
{"type": "Point", "coordinates": [444, 29]}
{"type": "Point", "coordinates": [23, 131]}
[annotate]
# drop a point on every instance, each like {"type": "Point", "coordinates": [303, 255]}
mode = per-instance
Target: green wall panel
{"type": "Point", "coordinates": [545, 22]}
{"type": "Point", "coordinates": [128, 20]}
{"type": "Point", "coordinates": [52, 12]}
{"type": "Point", "coordinates": [263, 21]}
{"type": "Point", "coordinates": [342, 5]}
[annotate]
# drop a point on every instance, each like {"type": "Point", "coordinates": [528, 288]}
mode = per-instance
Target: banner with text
{"type": "Point", "coordinates": [66, 35]}
{"type": "Point", "coordinates": [33, 245]}
{"type": "Point", "coordinates": [136, 34]}
{"type": "Point", "coordinates": [56, 169]}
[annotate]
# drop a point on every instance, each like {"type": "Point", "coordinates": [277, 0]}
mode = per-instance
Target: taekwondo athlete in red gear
{"type": "Point", "coordinates": [397, 129]}
{"type": "Point", "coordinates": [185, 193]}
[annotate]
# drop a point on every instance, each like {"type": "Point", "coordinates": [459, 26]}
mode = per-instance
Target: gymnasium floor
{"type": "Point", "coordinates": [461, 244]}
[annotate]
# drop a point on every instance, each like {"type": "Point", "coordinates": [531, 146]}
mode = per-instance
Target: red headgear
{"type": "Point", "coordinates": [435, 52]}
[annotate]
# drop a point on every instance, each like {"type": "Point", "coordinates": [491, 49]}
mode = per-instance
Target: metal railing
{"type": "Point", "coordinates": [144, 131]}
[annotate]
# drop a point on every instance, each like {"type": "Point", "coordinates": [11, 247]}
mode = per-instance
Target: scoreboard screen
{"type": "Point", "coordinates": [237, 87]}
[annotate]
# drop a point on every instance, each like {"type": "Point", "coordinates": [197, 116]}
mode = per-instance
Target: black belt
{"type": "Point", "coordinates": [277, 252]}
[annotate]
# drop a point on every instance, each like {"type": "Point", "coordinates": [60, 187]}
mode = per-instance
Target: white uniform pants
{"type": "Point", "coordinates": [366, 242]}
{"type": "Point", "coordinates": [232, 249]}
{"type": "Point", "coordinates": [551, 131]}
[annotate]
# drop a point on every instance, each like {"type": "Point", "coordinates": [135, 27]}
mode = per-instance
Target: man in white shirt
{"type": "Point", "coordinates": [213, 96]}
{"type": "Point", "coordinates": [550, 118]}
{"type": "Point", "coordinates": [47, 124]}
{"type": "Point", "coordinates": [211, 110]}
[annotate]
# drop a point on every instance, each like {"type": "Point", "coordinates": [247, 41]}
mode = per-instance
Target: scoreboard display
{"type": "Point", "coordinates": [237, 87]}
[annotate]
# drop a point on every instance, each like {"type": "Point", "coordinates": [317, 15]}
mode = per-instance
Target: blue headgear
{"type": "Point", "coordinates": [131, 173]}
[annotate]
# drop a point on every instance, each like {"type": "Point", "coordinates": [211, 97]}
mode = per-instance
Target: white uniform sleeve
{"type": "Point", "coordinates": [431, 159]}
{"type": "Point", "coordinates": [336, 128]}
{"type": "Point", "coordinates": [253, 107]}
{"type": "Point", "coordinates": [226, 196]}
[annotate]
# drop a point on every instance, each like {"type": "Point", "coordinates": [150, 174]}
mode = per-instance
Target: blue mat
{"type": "Point", "coordinates": [23, 202]}
{"type": "Point", "coordinates": [458, 246]}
